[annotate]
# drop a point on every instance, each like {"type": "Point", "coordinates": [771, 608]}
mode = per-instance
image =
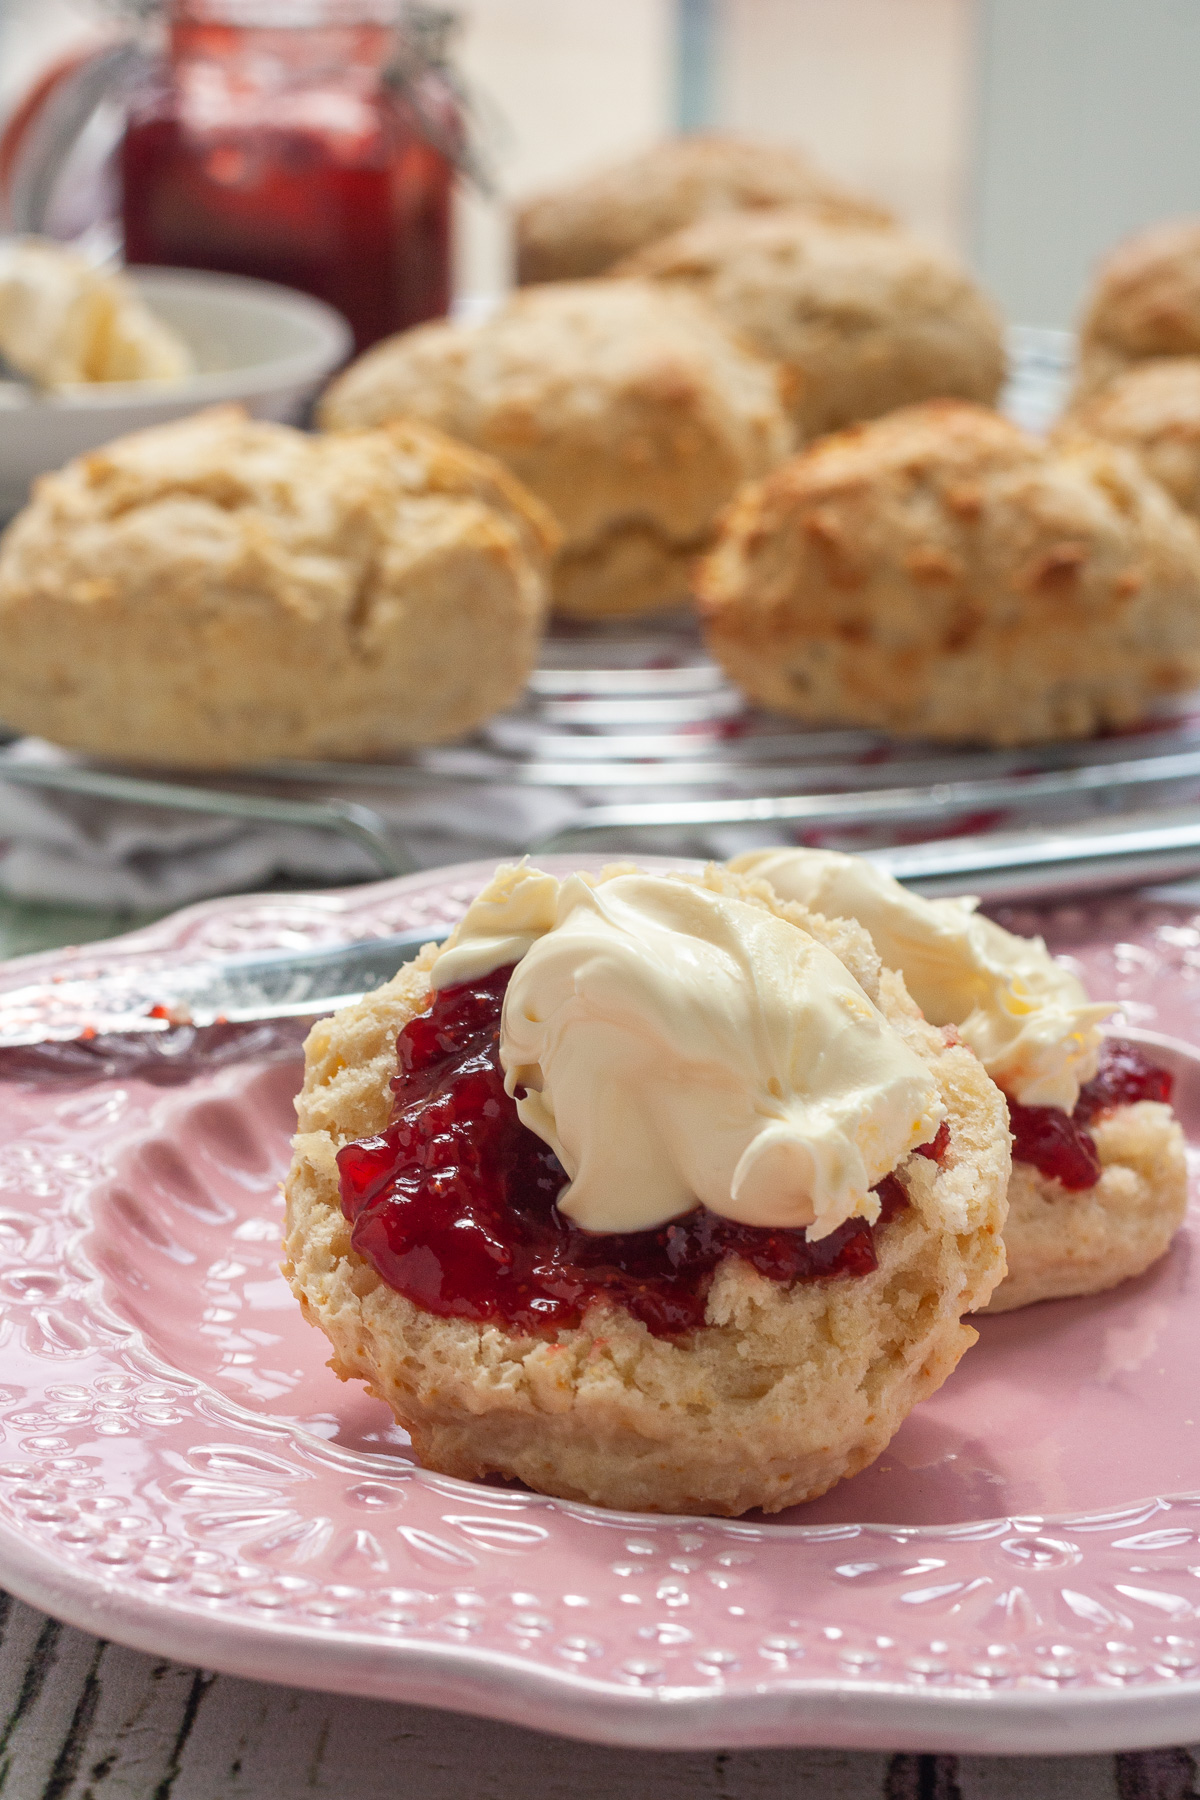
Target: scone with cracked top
{"type": "Point", "coordinates": [1145, 303]}
{"type": "Point", "coordinates": [221, 590]}
{"type": "Point", "coordinates": [765, 1392]}
{"type": "Point", "coordinates": [630, 411]}
{"type": "Point", "coordinates": [862, 320]}
{"type": "Point", "coordinates": [587, 226]}
{"type": "Point", "coordinates": [940, 573]}
{"type": "Point", "coordinates": [1151, 408]}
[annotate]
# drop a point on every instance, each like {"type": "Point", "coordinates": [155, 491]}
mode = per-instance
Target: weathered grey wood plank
{"type": "Point", "coordinates": [1035, 1777]}
{"type": "Point", "coordinates": [128, 1744]}
{"type": "Point", "coordinates": [84, 1720]}
{"type": "Point", "coordinates": [46, 1671]}
{"type": "Point", "coordinates": [268, 1743]}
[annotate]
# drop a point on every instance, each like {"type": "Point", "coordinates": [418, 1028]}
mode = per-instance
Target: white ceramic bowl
{"type": "Point", "coordinates": [265, 346]}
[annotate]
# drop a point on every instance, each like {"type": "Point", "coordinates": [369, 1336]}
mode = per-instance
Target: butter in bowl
{"type": "Point", "coordinates": [91, 354]}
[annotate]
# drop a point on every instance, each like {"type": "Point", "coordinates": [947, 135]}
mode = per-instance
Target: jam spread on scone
{"type": "Point", "coordinates": [1098, 1183]}
{"type": "Point", "coordinates": [613, 1088]}
{"type": "Point", "coordinates": [648, 1191]}
{"type": "Point", "coordinates": [1124, 1077]}
{"type": "Point", "coordinates": [1059, 1143]}
{"type": "Point", "coordinates": [455, 1203]}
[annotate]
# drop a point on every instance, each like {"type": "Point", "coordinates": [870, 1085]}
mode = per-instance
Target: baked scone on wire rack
{"type": "Point", "coordinates": [650, 1191]}
{"type": "Point", "coordinates": [861, 320]}
{"type": "Point", "coordinates": [939, 573]}
{"type": "Point", "coordinates": [631, 411]}
{"type": "Point", "coordinates": [585, 227]}
{"type": "Point", "coordinates": [1145, 302]}
{"type": "Point", "coordinates": [1099, 1177]}
{"type": "Point", "coordinates": [1152, 409]}
{"type": "Point", "coordinates": [223, 590]}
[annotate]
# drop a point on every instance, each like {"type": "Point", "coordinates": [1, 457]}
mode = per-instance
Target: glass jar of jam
{"type": "Point", "coordinates": [309, 142]}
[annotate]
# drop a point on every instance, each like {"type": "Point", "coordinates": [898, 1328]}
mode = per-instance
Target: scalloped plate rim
{"type": "Point", "coordinates": [874, 1716]}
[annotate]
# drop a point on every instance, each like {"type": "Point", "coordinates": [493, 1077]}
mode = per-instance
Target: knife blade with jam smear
{"type": "Point", "coordinates": [228, 990]}
{"type": "Point", "coordinates": [1131, 850]}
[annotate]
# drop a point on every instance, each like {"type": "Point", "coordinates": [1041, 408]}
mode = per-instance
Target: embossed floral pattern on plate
{"type": "Point", "coordinates": [1021, 1569]}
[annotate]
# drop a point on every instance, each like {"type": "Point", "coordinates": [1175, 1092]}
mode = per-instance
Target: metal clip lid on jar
{"type": "Point", "coordinates": [312, 143]}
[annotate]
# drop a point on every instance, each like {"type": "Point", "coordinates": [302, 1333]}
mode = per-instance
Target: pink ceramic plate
{"type": "Point", "coordinates": [1019, 1572]}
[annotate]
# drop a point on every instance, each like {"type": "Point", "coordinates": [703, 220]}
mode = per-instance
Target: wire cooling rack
{"type": "Point", "coordinates": [630, 734]}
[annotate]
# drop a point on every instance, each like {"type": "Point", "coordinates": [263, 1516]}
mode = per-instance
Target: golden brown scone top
{"type": "Point", "coordinates": [611, 400]}
{"type": "Point", "coordinates": [312, 490]}
{"type": "Point", "coordinates": [221, 589]}
{"type": "Point", "coordinates": [939, 572]}
{"type": "Point", "coordinates": [585, 228]}
{"type": "Point", "coordinates": [1146, 302]}
{"type": "Point", "coordinates": [863, 320]}
{"type": "Point", "coordinates": [1153, 409]}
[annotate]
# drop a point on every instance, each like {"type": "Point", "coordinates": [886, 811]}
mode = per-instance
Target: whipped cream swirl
{"type": "Point", "coordinates": [675, 1045]}
{"type": "Point", "coordinates": [1028, 1019]}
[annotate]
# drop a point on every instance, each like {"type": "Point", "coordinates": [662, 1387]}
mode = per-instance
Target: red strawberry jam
{"type": "Point", "coordinates": [1124, 1076]}
{"type": "Point", "coordinates": [937, 1146]}
{"type": "Point", "coordinates": [454, 1204]}
{"type": "Point", "coordinates": [1058, 1143]}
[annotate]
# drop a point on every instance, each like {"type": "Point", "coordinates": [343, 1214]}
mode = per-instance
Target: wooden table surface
{"type": "Point", "coordinates": [82, 1719]}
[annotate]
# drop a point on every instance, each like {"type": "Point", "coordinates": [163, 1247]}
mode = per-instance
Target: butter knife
{"type": "Point", "coordinates": [1094, 857]}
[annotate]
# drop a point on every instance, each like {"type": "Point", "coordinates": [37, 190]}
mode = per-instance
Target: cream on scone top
{"type": "Point", "coordinates": [673, 1045]}
{"type": "Point", "coordinates": [1028, 1019]}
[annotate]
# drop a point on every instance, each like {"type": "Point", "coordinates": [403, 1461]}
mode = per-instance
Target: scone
{"type": "Point", "coordinates": [1153, 409]}
{"type": "Point", "coordinates": [1099, 1178]}
{"type": "Point", "coordinates": [862, 320]}
{"type": "Point", "coordinates": [584, 228]}
{"type": "Point", "coordinates": [663, 1197]}
{"type": "Point", "coordinates": [940, 574]}
{"type": "Point", "coordinates": [1145, 302]}
{"type": "Point", "coordinates": [221, 591]}
{"type": "Point", "coordinates": [1083, 1225]}
{"type": "Point", "coordinates": [630, 411]}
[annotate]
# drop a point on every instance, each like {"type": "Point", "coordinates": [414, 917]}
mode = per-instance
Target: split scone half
{"type": "Point", "coordinates": [1064, 1242]}
{"type": "Point", "coordinates": [779, 1388]}
{"type": "Point", "coordinates": [1099, 1176]}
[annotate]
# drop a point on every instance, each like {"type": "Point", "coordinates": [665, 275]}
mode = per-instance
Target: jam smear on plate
{"type": "Point", "coordinates": [454, 1204]}
{"type": "Point", "coordinates": [1059, 1144]}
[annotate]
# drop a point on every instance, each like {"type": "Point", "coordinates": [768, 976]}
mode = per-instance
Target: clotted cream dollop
{"type": "Point", "coordinates": [676, 1045]}
{"type": "Point", "coordinates": [1028, 1019]}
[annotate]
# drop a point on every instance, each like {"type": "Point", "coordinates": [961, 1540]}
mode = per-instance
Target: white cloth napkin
{"type": "Point", "coordinates": [81, 850]}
